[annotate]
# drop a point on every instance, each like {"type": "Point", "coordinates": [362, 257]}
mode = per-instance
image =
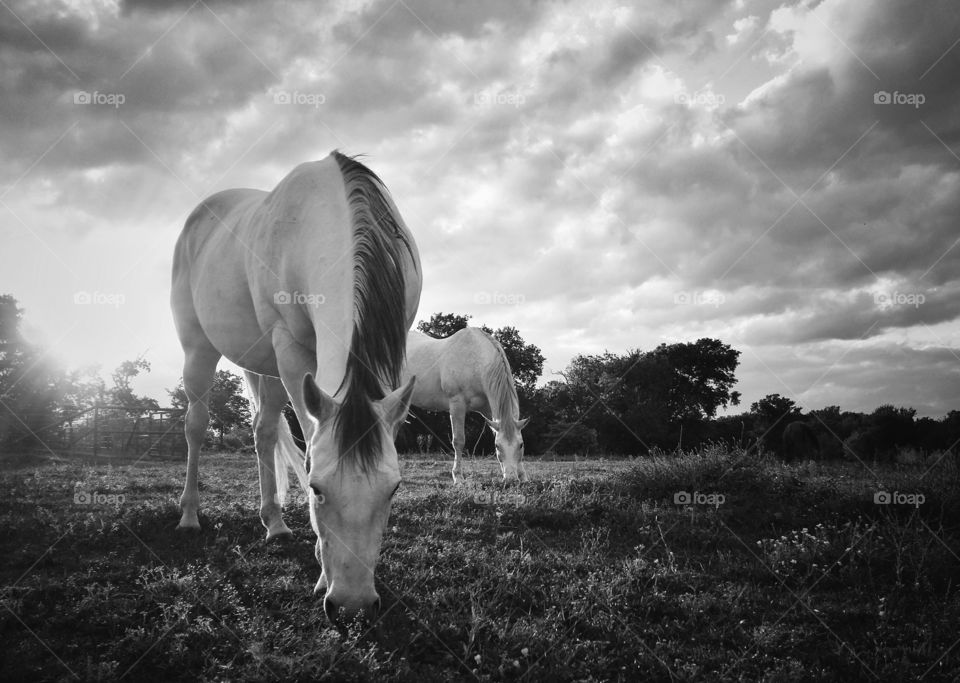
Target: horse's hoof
{"type": "Point", "coordinates": [280, 536]}
{"type": "Point", "coordinates": [188, 528]}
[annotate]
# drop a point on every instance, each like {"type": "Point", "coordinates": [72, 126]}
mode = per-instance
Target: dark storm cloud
{"type": "Point", "coordinates": [790, 199]}
{"type": "Point", "coordinates": [179, 77]}
{"type": "Point", "coordinates": [812, 316]}
{"type": "Point", "coordinates": [388, 22]}
{"type": "Point", "coordinates": [161, 6]}
{"type": "Point", "coordinates": [860, 378]}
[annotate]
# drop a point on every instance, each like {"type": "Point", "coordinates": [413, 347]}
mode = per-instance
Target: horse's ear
{"type": "Point", "coordinates": [522, 423]}
{"type": "Point", "coordinates": [397, 403]}
{"type": "Point", "coordinates": [318, 403]}
{"type": "Point", "coordinates": [494, 425]}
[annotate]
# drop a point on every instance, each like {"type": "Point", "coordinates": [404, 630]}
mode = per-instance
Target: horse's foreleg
{"type": "Point", "coordinates": [294, 361]}
{"type": "Point", "coordinates": [272, 397]}
{"type": "Point", "coordinates": [198, 373]}
{"type": "Point", "coordinates": [458, 414]}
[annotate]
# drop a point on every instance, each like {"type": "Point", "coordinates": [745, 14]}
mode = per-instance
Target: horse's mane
{"type": "Point", "coordinates": [498, 383]}
{"type": "Point", "coordinates": [379, 310]}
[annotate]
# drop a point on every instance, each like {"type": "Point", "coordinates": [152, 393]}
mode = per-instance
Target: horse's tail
{"type": "Point", "coordinates": [287, 455]}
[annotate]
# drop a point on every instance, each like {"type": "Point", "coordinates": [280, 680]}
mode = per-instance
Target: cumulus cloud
{"type": "Point", "coordinates": [783, 177]}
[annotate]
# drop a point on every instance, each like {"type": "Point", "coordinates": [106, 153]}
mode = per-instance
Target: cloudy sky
{"type": "Point", "coordinates": [783, 176]}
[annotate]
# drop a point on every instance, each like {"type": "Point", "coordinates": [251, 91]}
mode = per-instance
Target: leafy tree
{"type": "Point", "coordinates": [567, 438]}
{"type": "Point", "coordinates": [30, 384]}
{"type": "Point", "coordinates": [229, 408]}
{"type": "Point", "coordinates": [773, 412]}
{"type": "Point", "coordinates": [83, 388]}
{"type": "Point", "coordinates": [828, 422]}
{"type": "Point", "coordinates": [122, 394]}
{"type": "Point", "coordinates": [950, 434]}
{"type": "Point", "coordinates": [774, 408]}
{"type": "Point", "coordinates": [700, 378]}
{"type": "Point", "coordinates": [640, 399]}
{"type": "Point", "coordinates": [15, 353]}
{"type": "Point", "coordinates": [892, 427]}
{"type": "Point", "coordinates": [443, 325]}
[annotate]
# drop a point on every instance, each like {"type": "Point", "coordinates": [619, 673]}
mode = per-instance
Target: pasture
{"type": "Point", "coordinates": [588, 572]}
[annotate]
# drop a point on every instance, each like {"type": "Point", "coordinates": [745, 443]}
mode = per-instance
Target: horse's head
{"type": "Point", "coordinates": [349, 507]}
{"type": "Point", "coordinates": [509, 445]}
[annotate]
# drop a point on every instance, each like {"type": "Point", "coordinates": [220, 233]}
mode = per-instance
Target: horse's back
{"type": "Point", "coordinates": [208, 222]}
{"type": "Point", "coordinates": [248, 261]}
{"type": "Point", "coordinates": [207, 260]}
{"type": "Point", "coordinates": [450, 367]}
{"type": "Point", "coordinates": [240, 249]}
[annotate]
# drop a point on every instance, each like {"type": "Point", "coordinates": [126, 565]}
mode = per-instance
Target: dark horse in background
{"type": "Point", "coordinates": [799, 442]}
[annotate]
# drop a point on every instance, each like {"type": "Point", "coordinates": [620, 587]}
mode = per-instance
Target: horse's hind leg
{"type": "Point", "coordinates": [199, 368]}
{"type": "Point", "coordinates": [271, 397]}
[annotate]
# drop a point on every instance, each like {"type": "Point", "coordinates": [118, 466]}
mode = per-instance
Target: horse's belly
{"type": "Point", "coordinates": [259, 358]}
{"type": "Point", "coordinates": [226, 312]}
{"type": "Point", "coordinates": [427, 395]}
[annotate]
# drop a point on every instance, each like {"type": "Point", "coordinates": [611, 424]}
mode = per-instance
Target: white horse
{"type": "Point", "coordinates": [469, 371]}
{"type": "Point", "coordinates": [319, 277]}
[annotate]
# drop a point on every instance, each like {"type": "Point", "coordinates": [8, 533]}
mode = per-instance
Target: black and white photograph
{"type": "Point", "coordinates": [506, 340]}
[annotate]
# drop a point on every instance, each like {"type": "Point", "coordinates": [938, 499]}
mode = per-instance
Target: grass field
{"type": "Point", "coordinates": [592, 572]}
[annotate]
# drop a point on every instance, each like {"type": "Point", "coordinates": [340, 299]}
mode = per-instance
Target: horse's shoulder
{"type": "Point", "coordinates": [218, 205]}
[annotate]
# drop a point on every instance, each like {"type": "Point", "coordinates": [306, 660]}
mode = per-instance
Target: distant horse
{"type": "Point", "coordinates": [800, 442]}
{"type": "Point", "coordinates": [318, 278]}
{"type": "Point", "coordinates": [468, 371]}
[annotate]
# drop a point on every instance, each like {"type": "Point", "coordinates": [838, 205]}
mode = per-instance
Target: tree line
{"type": "Point", "coordinates": [629, 403]}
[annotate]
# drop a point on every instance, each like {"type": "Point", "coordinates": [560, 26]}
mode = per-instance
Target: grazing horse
{"type": "Point", "coordinates": [800, 442]}
{"type": "Point", "coordinates": [469, 371]}
{"type": "Point", "coordinates": [319, 278]}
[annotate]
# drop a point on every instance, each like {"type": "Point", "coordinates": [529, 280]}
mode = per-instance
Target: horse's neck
{"type": "Point", "coordinates": [498, 385]}
{"type": "Point", "coordinates": [309, 203]}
